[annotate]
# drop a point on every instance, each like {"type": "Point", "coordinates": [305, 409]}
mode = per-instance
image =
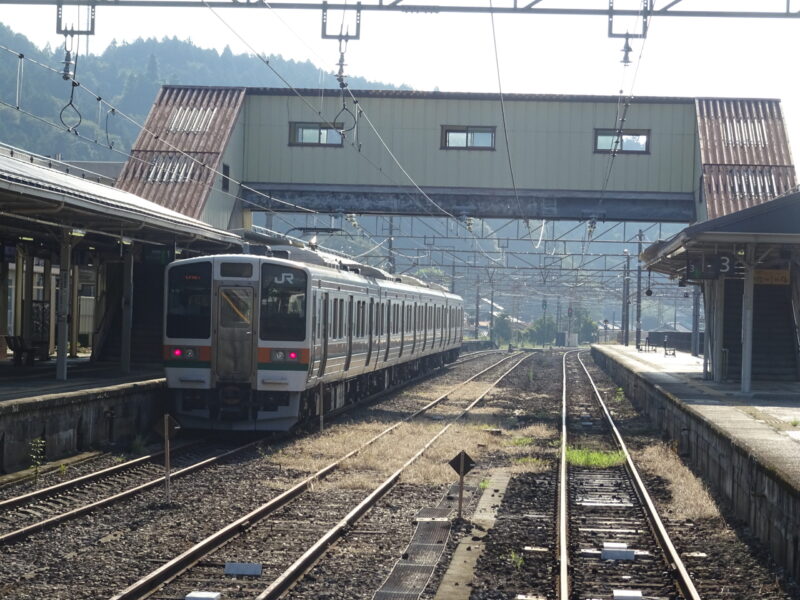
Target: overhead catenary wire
{"type": "Point", "coordinates": [326, 122]}
{"type": "Point", "coordinates": [362, 113]}
{"type": "Point", "coordinates": [115, 110]}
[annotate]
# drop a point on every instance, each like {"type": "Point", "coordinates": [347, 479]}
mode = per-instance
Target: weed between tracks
{"type": "Point", "coordinates": [594, 459]}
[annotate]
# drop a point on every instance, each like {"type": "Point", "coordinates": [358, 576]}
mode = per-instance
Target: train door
{"type": "Point", "coordinates": [414, 328]}
{"type": "Point", "coordinates": [313, 354]}
{"type": "Point", "coordinates": [349, 333]}
{"type": "Point", "coordinates": [370, 325]}
{"type": "Point", "coordinates": [233, 359]}
{"type": "Point", "coordinates": [424, 323]}
{"type": "Point", "coordinates": [402, 327]}
{"type": "Point", "coordinates": [325, 330]}
{"type": "Point", "coordinates": [388, 328]}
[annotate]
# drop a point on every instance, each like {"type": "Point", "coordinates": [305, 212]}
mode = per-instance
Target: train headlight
{"type": "Point", "coordinates": [184, 353]}
{"type": "Point", "coordinates": [285, 355]}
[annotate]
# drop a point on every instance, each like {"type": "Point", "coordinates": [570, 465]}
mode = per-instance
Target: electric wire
{"type": "Point", "coordinates": [75, 84]}
{"type": "Point", "coordinates": [332, 125]}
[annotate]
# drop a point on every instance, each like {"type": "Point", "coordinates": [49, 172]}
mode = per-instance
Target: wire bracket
{"type": "Point", "coordinates": [646, 12]}
{"type": "Point", "coordinates": [340, 36]}
{"type": "Point", "coordinates": [62, 29]}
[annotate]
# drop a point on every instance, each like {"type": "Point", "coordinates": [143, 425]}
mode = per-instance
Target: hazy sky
{"type": "Point", "coordinates": [537, 54]}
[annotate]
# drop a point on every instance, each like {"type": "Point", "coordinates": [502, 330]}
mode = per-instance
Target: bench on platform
{"type": "Point", "coordinates": [17, 345]}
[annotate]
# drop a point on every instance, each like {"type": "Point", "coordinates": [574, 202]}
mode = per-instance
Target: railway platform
{"type": "Point", "coordinates": [98, 406]}
{"type": "Point", "coordinates": [745, 445]}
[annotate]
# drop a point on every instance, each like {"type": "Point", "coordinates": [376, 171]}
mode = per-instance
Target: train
{"type": "Point", "coordinates": [258, 342]}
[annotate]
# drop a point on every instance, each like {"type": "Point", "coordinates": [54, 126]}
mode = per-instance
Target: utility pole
{"type": "Point", "coordinates": [639, 293]}
{"type": "Point", "coordinates": [491, 306]}
{"type": "Point", "coordinates": [477, 309]}
{"type": "Point", "coordinates": [390, 245]}
{"type": "Point", "coordinates": [558, 315]}
{"type": "Point", "coordinates": [491, 315]}
{"type": "Point", "coordinates": [626, 325]}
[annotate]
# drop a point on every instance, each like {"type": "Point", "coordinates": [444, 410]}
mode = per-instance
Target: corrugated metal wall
{"type": "Point", "coordinates": [174, 159]}
{"type": "Point", "coordinates": [551, 143]}
{"type": "Point", "coordinates": [744, 150]}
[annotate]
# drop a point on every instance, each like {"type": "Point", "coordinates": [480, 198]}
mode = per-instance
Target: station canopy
{"type": "Point", "coordinates": [40, 205]}
{"type": "Point", "coordinates": [699, 251]}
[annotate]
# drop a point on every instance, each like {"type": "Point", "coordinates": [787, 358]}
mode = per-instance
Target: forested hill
{"type": "Point", "coordinates": [128, 77]}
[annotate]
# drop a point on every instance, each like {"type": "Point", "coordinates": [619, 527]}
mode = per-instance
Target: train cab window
{"type": "Point", "coordinates": [283, 303]}
{"type": "Point", "coordinates": [236, 269]}
{"type": "Point", "coordinates": [189, 301]}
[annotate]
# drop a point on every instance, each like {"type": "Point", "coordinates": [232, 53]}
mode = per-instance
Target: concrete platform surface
{"type": "Point", "coordinates": [765, 421]}
{"type": "Point", "coordinates": [20, 382]}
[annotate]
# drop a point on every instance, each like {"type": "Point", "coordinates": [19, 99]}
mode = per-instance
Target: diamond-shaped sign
{"type": "Point", "coordinates": [462, 463]}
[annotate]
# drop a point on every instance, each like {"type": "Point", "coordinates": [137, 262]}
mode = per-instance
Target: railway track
{"type": "Point", "coordinates": [34, 511]}
{"type": "Point", "coordinates": [612, 543]}
{"type": "Point", "coordinates": [26, 514]}
{"type": "Point", "coordinates": [286, 535]}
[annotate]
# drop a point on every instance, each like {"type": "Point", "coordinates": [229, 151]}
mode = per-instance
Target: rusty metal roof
{"type": "Point", "coordinates": [176, 157]}
{"type": "Point", "coordinates": [744, 151]}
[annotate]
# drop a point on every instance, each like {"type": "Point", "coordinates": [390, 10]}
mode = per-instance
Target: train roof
{"type": "Point", "coordinates": [330, 265]}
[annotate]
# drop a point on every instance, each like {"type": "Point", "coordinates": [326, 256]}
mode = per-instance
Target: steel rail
{"type": "Point", "coordinates": [563, 496]}
{"type": "Point", "coordinates": [679, 571]}
{"type": "Point", "coordinates": [302, 564]}
{"type": "Point", "coordinates": [184, 561]}
{"type": "Point", "coordinates": [89, 477]}
{"type": "Point", "coordinates": [86, 508]}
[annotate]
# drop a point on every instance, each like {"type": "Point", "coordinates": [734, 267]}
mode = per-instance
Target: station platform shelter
{"type": "Point", "coordinates": [63, 236]}
{"type": "Point", "coordinates": [747, 264]}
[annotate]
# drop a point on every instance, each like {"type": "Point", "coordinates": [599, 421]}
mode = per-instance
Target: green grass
{"type": "Point", "coordinates": [594, 458]}
{"type": "Point", "coordinates": [516, 560]}
{"type": "Point", "coordinates": [483, 484]}
{"type": "Point", "coordinates": [522, 441]}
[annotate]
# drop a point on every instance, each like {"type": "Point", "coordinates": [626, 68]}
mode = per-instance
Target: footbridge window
{"type": "Point", "coordinates": [624, 141]}
{"type": "Point", "coordinates": [315, 134]}
{"type": "Point", "coordinates": [467, 137]}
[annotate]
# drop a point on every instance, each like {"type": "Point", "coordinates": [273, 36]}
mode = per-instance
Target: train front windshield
{"type": "Point", "coordinates": [189, 301]}
{"type": "Point", "coordinates": [283, 303]}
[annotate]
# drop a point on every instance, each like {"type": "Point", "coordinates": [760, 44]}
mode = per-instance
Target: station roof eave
{"type": "Point", "coordinates": [44, 203]}
{"type": "Point", "coordinates": [775, 222]}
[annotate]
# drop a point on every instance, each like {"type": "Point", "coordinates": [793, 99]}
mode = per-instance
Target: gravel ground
{"type": "Point", "coordinates": [515, 428]}
{"type": "Point", "coordinates": [725, 561]}
{"type": "Point", "coordinates": [92, 556]}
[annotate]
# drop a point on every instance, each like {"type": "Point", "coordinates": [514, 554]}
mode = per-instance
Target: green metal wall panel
{"type": "Point", "coordinates": [551, 144]}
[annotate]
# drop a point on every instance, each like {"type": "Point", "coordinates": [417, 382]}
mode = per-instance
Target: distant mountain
{"type": "Point", "coordinates": [127, 76]}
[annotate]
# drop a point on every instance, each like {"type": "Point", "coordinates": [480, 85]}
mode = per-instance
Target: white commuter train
{"type": "Point", "coordinates": [264, 342]}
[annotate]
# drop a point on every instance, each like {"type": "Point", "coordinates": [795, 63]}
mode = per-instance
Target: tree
{"type": "Point", "coordinates": [502, 329]}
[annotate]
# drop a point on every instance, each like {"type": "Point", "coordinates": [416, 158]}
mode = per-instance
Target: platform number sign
{"type": "Point", "coordinates": [710, 266]}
